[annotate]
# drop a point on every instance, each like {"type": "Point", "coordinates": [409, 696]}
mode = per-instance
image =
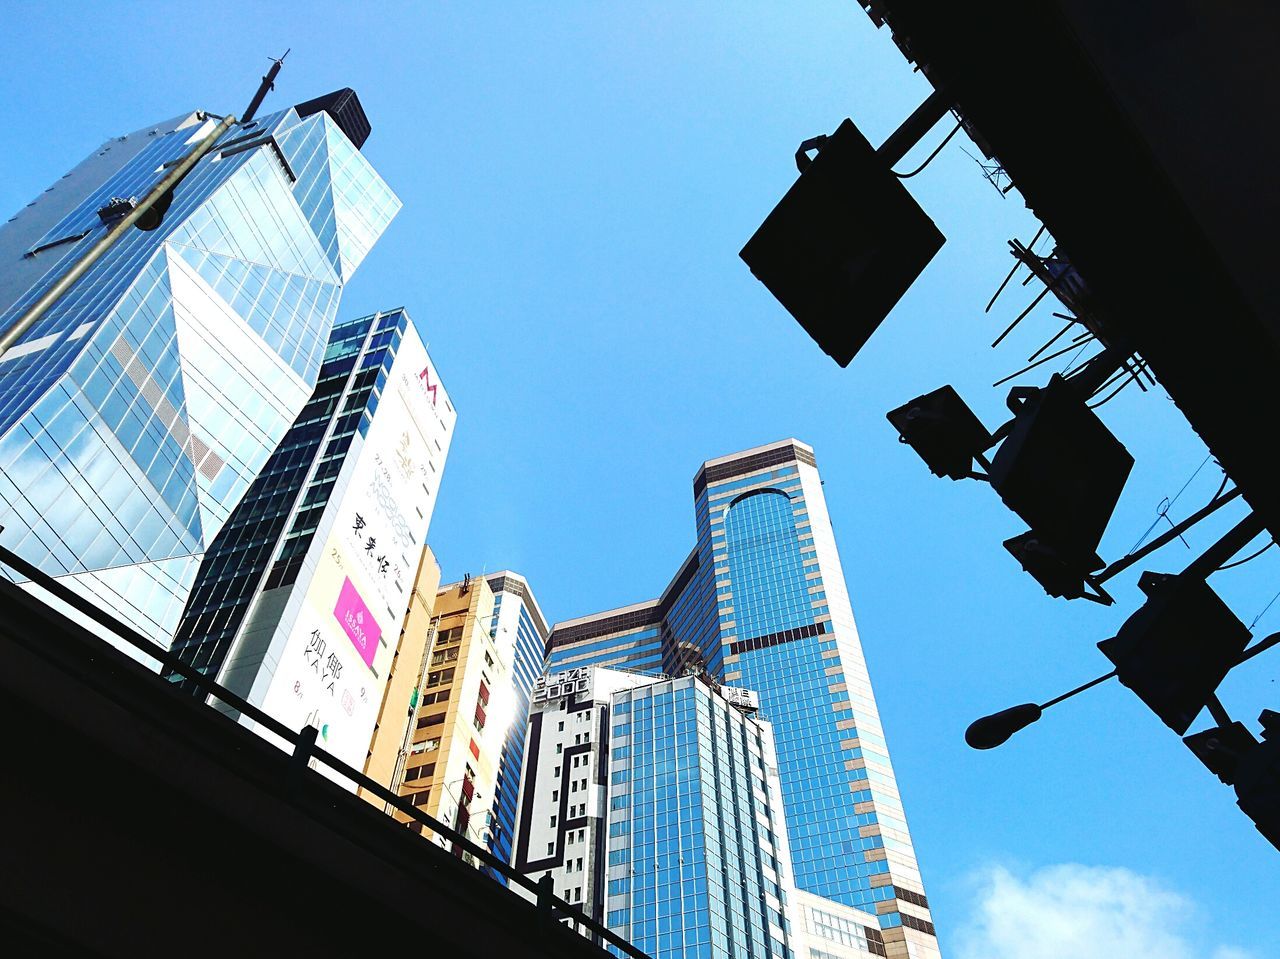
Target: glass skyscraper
{"type": "Point", "coordinates": [298, 604]}
{"type": "Point", "coordinates": [654, 804]}
{"type": "Point", "coordinates": [135, 414]}
{"type": "Point", "coordinates": [518, 625]}
{"type": "Point", "coordinates": [761, 602]}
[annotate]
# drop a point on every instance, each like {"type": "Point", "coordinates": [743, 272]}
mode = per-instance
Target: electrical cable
{"type": "Point", "coordinates": [1241, 562]}
{"type": "Point", "coordinates": [929, 159]}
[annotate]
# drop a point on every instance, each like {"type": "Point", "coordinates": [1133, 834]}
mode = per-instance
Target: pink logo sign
{"type": "Point", "coordinates": [425, 378]}
{"type": "Point", "coordinates": [358, 623]}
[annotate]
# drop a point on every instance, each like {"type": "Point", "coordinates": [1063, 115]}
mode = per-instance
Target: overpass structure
{"type": "Point", "coordinates": [140, 818]}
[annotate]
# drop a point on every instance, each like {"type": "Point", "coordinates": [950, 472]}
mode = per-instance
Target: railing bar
{"type": "Point", "coordinates": [213, 688]}
{"type": "Point", "coordinates": [145, 645]}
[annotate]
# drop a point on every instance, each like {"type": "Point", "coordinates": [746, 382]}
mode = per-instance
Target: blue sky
{"type": "Point", "coordinates": [577, 181]}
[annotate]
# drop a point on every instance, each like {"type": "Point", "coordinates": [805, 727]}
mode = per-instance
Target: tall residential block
{"type": "Point", "coordinates": [393, 731]}
{"type": "Point", "coordinates": [761, 602]}
{"type": "Point", "coordinates": [451, 766]}
{"type": "Point", "coordinates": [654, 803]}
{"type": "Point", "coordinates": [136, 413]}
{"type": "Point", "coordinates": [300, 599]}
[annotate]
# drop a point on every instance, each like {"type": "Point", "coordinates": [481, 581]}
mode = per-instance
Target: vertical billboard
{"type": "Point", "coordinates": [344, 617]}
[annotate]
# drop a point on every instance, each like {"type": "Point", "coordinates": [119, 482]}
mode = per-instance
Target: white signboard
{"type": "Point", "coordinates": [333, 668]}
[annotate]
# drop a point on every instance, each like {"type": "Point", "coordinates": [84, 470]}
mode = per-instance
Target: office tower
{"type": "Point", "coordinates": [654, 804]}
{"type": "Point", "coordinates": [393, 731]}
{"type": "Point", "coordinates": [761, 602]}
{"type": "Point", "coordinates": [137, 411]}
{"type": "Point", "coordinates": [452, 764]}
{"type": "Point", "coordinates": [520, 630]}
{"type": "Point", "coordinates": [302, 593]}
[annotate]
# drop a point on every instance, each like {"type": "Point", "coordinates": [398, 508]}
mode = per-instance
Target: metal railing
{"type": "Point", "coordinates": [304, 749]}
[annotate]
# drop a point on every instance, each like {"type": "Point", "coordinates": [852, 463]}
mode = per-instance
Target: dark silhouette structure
{"type": "Point", "coordinates": [169, 826]}
{"type": "Point", "coordinates": [1140, 134]}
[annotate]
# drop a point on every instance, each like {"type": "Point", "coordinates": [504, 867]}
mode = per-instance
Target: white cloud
{"type": "Point", "coordinates": [1072, 911]}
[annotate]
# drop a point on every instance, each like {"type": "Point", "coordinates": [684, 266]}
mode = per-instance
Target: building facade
{"type": "Point", "coordinates": [761, 602]}
{"type": "Point", "coordinates": [393, 732]}
{"type": "Point", "coordinates": [520, 630]}
{"type": "Point", "coordinates": [137, 411]}
{"type": "Point", "coordinates": [303, 592]}
{"type": "Point", "coordinates": [451, 769]}
{"type": "Point", "coordinates": [654, 803]}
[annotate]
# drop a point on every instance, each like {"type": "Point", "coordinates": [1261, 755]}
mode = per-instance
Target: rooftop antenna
{"type": "Point", "coordinates": [268, 84]}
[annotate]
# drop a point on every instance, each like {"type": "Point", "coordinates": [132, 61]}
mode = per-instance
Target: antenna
{"type": "Point", "coordinates": [268, 84]}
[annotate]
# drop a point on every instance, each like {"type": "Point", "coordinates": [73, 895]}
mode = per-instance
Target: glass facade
{"type": "Point", "coordinates": [298, 603]}
{"type": "Point", "coordinates": [518, 624]}
{"type": "Point", "coordinates": [263, 546]}
{"type": "Point", "coordinates": [762, 603]}
{"type": "Point", "coordinates": [693, 867]}
{"type": "Point", "coordinates": [136, 413]}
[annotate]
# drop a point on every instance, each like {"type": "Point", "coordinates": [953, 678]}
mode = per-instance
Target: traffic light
{"type": "Point", "coordinates": [1062, 471]}
{"type": "Point", "coordinates": [1177, 648]}
{"type": "Point", "coordinates": [843, 245]}
{"type": "Point", "coordinates": [943, 430]}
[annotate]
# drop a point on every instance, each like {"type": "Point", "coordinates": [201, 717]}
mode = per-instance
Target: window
{"type": "Point", "coordinates": [555, 795]}
{"type": "Point", "coordinates": [551, 849]}
{"type": "Point", "coordinates": [571, 835]}
{"type": "Point", "coordinates": [553, 820]}
{"type": "Point", "coordinates": [556, 772]}
{"type": "Point", "coordinates": [573, 786]}
{"type": "Point", "coordinates": [560, 727]}
{"type": "Point", "coordinates": [559, 749]}
{"type": "Point", "coordinates": [577, 739]}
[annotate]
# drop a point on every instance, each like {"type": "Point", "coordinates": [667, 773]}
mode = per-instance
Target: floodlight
{"type": "Point", "coordinates": [1222, 749]}
{"type": "Point", "coordinates": [1258, 780]}
{"type": "Point", "coordinates": [1061, 470]}
{"type": "Point", "coordinates": [943, 430]}
{"type": "Point", "coordinates": [1061, 575]}
{"type": "Point", "coordinates": [844, 244]}
{"type": "Point", "coordinates": [1175, 650]}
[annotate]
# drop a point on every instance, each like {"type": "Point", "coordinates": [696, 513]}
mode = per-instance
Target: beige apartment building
{"type": "Point", "coordinates": [448, 761]}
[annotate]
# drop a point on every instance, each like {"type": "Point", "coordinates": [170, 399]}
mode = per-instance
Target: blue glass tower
{"type": "Point", "coordinates": [762, 603]}
{"type": "Point", "coordinates": [137, 411]}
{"type": "Point", "coordinates": [518, 625]}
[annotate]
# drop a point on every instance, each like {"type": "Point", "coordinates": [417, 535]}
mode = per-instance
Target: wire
{"type": "Point", "coordinates": [937, 150]}
{"type": "Point", "coordinates": [1162, 511]}
{"type": "Point", "coordinates": [1241, 562]}
{"type": "Point", "coordinates": [1264, 611]}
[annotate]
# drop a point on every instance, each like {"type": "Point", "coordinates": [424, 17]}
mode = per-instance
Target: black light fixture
{"type": "Point", "coordinates": [845, 242]}
{"type": "Point", "coordinates": [1061, 470]}
{"type": "Point", "coordinates": [1232, 754]}
{"type": "Point", "coordinates": [153, 215]}
{"type": "Point", "coordinates": [994, 730]}
{"type": "Point", "coordinates": [943, 430]}
{"type": "Point", "coordinates": [1178, 647]}
{"type": "Point", "coordinates": [1062, 575]}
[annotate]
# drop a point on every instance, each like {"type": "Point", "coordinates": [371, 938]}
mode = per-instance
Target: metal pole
{"type": "Point", "coordinates": [108, 240]}
{"type": "Point", "coordinates": [922, 119]}
{"type": "Point", "coordinates": [1167, 537]}
{"type": "Point", "coordinates": [268, 84]}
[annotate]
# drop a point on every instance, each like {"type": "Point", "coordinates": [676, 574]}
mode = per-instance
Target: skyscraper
{"type": "Point", "coordinates": [521, 631]}
{"type": "Point", "coordinates": [761, 602]}
{"type": "Point", "coordinates": [302, 593]}
{"type": "Point", "coordinates": [452, 764]}
{"type": "Point", "coordinates": [654, 804]}
{"type": "Point", "coordinates": [137, 411]}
